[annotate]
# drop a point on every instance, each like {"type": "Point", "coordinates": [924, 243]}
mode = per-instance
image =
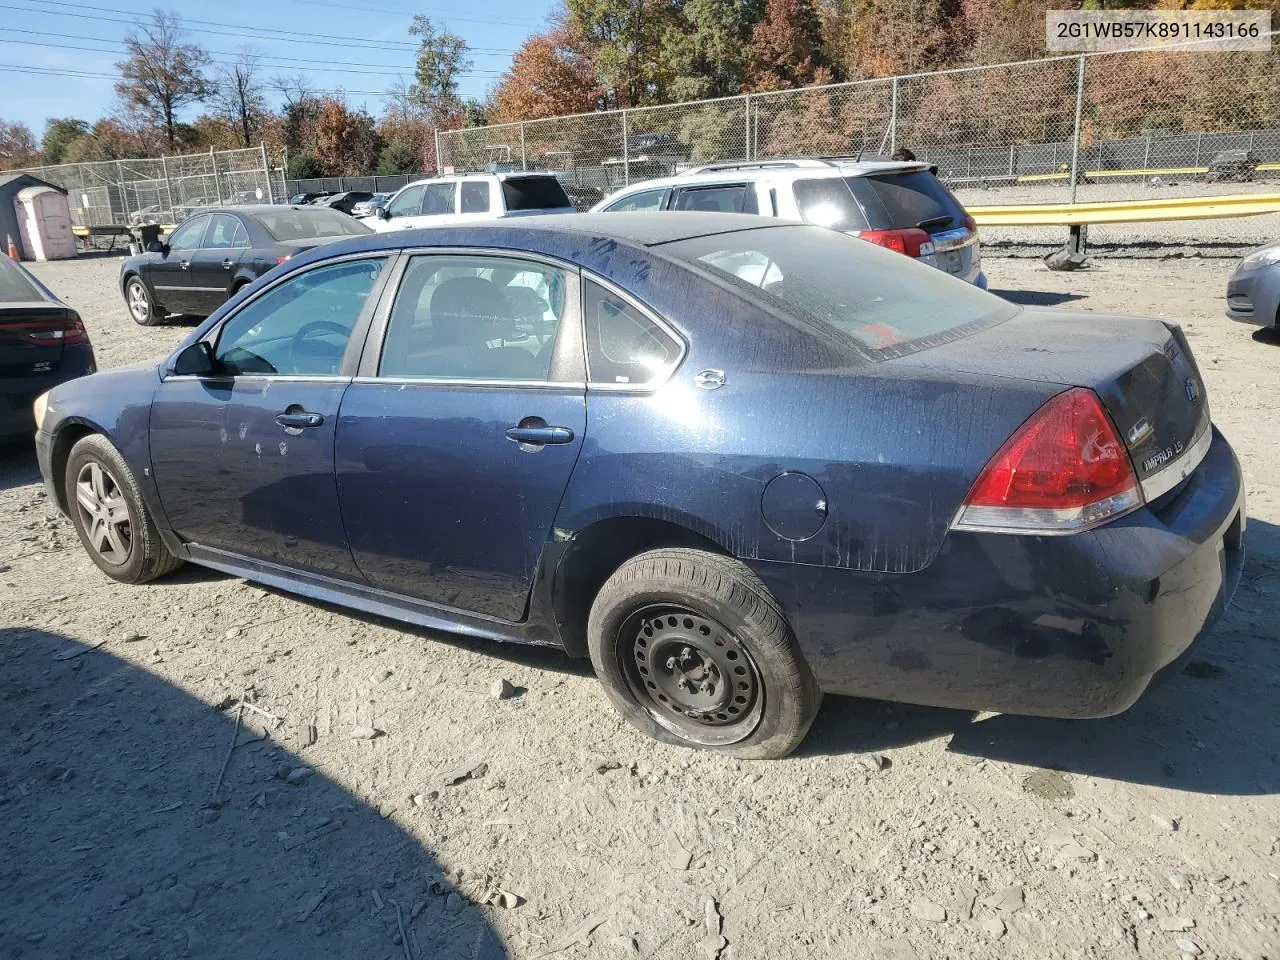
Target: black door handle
{"type": "Point", "coordinates": [185, 264]}
{"type": "Point", "coordinates": [540, 435]}
{"type": "Point", "coordinates": [226, 264]}
{"type": "Point", "coordinates": [299, 420]}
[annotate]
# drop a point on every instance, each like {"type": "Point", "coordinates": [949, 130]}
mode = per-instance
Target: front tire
{"type": "Point", "coordinates": [692, 649]}
{"type": "Point", "coordinates": [141, 307]}
{"type": "Point", "coordinates": [110, 515]}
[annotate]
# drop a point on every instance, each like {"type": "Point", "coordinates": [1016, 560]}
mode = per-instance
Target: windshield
{"type": "Point", "coordinates": [289, 224]}
{"type": "Point", "coordinates": [885, 302]}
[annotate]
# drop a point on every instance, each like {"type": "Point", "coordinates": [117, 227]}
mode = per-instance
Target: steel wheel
{"type": "Point", "coordinates": [139, 303]}
{"type": "Point", "coordinates": [104, 513]}
{"type": "Point", "coordinates": [693, 675]}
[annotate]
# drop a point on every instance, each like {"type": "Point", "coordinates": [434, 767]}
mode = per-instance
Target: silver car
{"type": "Point", "coordinates": [1253, 292]}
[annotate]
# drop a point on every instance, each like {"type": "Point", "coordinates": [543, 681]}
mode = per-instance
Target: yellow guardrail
{"type": "Point", "coordinates": [1125, 211]}
{"type": "Point", "coordinates": [1152, 172]}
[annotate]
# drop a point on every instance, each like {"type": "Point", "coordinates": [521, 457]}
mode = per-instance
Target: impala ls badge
{"type": "Point", "coordinates": [1193, 391]}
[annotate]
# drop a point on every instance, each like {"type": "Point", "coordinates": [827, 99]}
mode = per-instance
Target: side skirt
{"type": "Point", "coordinates": [368, 599]}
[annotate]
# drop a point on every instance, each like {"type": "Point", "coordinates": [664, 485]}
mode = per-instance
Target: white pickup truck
{"type": "Point", "coordinates": [471, 196]}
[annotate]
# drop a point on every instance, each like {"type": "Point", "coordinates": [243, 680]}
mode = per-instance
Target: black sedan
{"type": "Point", "coordinates": [42, 344]}
{"type": "Point", "coordinates": [737, 462]}
{"type": "Point", "coordinates": [212, 255]}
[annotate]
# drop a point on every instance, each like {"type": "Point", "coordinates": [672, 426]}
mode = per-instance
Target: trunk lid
{"type": "Point", "coordinates": [1141, 369]}
{"type": "Point", "coordinates": [29, 346]}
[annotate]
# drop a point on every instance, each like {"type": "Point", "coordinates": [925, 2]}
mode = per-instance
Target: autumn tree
{"type": "Point", "coordinates": [346, 142]}
{"type": "Point", "coordinates": [239, 96]}
{"type": "Point", "coordinates": [551, 75]}
{"type": "Point", "coordinates": [786, 47]}
{"type": "Point", "coordinates": [163, 73]}
{"type": "Point", "coordinates": [17, 146]}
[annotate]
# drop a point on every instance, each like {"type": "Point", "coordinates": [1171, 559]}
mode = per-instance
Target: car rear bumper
{"type": "Point", "coordinates": [1073, 626]}
{"type": "Point", "coordinates": [1253, 295]}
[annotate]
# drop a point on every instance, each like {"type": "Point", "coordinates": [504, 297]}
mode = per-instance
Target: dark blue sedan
{"type": "Point", "coordinates": [737, 462]}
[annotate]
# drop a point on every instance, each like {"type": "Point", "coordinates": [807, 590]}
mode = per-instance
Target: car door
{"type": "Point", "coordinates": [214, 264]}
{"type": "Point", "coordinates": [644, 200]}
{"type": "Point", "coordinates": [404, 206]}
{"type": "Point", "coordinates": [475, 200]}
{"type": "Point", "coordinates": [717, 198]}
{"type": "Point", "coordinates": [170, 272]}
{"type": "Point", "coordinates": [457, 440]}
{"type": "Point", "coordinates": [439, 204]}
{"type": "Point", "coordinates": [243, 457]}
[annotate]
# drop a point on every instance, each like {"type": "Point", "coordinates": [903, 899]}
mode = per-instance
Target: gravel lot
{"type": "Point", "coordinates": [541, 826]}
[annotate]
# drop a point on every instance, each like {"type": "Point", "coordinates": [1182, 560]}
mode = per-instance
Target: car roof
{"type": "Point", "coordinates": [787, 168]}
{"type": "Point", "coordinates": [474, 174]}
{"type": "Point", "coordinates": [251, 209]}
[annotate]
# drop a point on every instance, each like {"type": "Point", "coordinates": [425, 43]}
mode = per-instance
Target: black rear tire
{"type": "Point", "coordinates": [111, 517]}
{"type": "Point", "coordinates": [693, 650]}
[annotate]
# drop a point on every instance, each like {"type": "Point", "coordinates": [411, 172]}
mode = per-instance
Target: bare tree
{"type": "Point", "coordinates": [239, 96]}
{"type": "Point", "coordinates": [162, 74]}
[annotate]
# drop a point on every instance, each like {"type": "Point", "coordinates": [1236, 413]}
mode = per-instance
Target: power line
{"type": "Point", "coordinates": [89, 75]}
{"type": "Point", "coordinates": [399, 74]}
{"type": "Point", "coordinates": [404, 13]}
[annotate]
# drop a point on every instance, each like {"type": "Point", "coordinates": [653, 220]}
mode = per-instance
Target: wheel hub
{"type": "Point", "coordinates": [103, 513]}
{"type": "Point", "coordinates": [691, 669]}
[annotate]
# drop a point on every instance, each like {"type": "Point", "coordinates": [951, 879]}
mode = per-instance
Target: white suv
{"type": "Point", "coordinates": [472, 196]}
{"type": "Point", "coordinates": [901, 205]}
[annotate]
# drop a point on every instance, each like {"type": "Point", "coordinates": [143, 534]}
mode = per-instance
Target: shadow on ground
{"type": "Point", "coordinates": [1037, 298]}
{"type": "Point", "coordinates": [18, 466]}
{"type": "Point", "coordinates": [1268, 335]}
{"type": "Point", "coordinates": [118, 845]}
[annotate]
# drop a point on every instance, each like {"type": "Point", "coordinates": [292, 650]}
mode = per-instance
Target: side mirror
{"type": "Point", "coordinates": [382, 213]}
{"type": "Point", "coordinates": [195, 361]}
{"type": "Point", "coordinates": [155, 246]}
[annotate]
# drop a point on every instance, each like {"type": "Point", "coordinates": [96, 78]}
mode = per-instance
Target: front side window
{"type": "Point", "coordinates": [646, 200]}
{"type": "Point", "coordinates": [187, 236]}
{"type": "Point", "coordinates": [301, 327]}
{"type": "Point", "coordinates": [474, 318]}
{"type": "Point", "coordinates": [407, 202]}
{"type": "Point", "coordinates": [623, 344]}
{"type": "Point", "coordinates": [225, 233]}
{"type": "Point", "coordinates": [730, 198]}
{"type": "Point", "coordinates": [438, 199]}
{"type": "Point", "coordinates": [475, 196]}
{"type": "Point", "coordinates": [881, 300]}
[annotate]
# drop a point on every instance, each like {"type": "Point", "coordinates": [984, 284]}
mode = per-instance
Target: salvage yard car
{"type": "Point", "coordinates": [737, 462]}
{"type": "Point", "coordinates": [42, 343]}
{"type": "Point", "coordinates": [472, 196]}
{"type": "Point", "coordinates": [1253, 292]}
{"type": "Point", "coordinates": [210, 257]}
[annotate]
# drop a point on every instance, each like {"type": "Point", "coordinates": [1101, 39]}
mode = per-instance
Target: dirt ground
{"type": "Point", "coordinates": [542, 826]}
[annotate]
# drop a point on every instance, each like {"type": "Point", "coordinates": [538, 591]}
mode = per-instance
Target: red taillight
{"type": "Point", "coordinates": [970, 224]}
{"type": "Point", "coordinates": [1064, 470]}
{"type": "Point", "coordinates": [280, 260]}
{"type": "Point", "coordinates": [913, 241]}
{"type": "Point", "coordinates": [51, 333]}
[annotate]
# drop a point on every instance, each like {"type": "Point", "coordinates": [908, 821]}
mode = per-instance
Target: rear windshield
{"type": "Point", "coordinates": [895, 201]}
{"type": "Point", "coordinates": [15, 286]}
{"type": "Point", "coordinates": [291, 224]}
{"type": "Point", "coordinates": [885, 302]}
{"type": "Point", "coordinates": [534, 193]}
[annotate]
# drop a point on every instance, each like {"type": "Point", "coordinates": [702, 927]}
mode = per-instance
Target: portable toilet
{"type": "Point", "coordinates": [44, 221]}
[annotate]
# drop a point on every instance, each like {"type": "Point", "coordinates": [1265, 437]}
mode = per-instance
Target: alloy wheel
{"type": "Point", "coordinates": [692, 674]}
{"type": "Point", "coordinates": [104, 514]}
{"type": "Point", "coordinates": [139, 307]}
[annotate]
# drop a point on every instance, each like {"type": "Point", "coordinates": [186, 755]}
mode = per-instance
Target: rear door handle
{"type": "Point", "coordinates": [540, 435]}
{"type": "Point", "coordinates": [227, 264]}
{"type": "Point", "coordinates": [185, 264]}
{"type": "Point", "coordinates": [299, 420]}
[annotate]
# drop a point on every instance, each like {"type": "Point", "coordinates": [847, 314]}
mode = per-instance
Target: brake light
{"type": "Point", "coordinates": [970, 224]}
{"type": "Point", "coordinates": [1064, 470]}
{"type": "Point", "coordinates": [49, 333]}
{"type": "Point", "coordinates": [280, 260]}
{"type": "Point", "coordinates": [913, 241]}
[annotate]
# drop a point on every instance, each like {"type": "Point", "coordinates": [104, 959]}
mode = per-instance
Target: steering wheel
{"type": "Point", "coordinates": [297, 344]}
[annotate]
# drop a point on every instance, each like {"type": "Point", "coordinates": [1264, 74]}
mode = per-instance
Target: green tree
{"type": "Point", "coordinates": [442, 59]}
{"type": "Point", "coordinates": [625, 39]}
{"type": "Point", "coordinates": [303, 166]}
{"type": "Point", "coordinates": [707, 50]}
{"type": "Point", "coordinates": [397, 158]}
{"type": "Point", "coordinates": [162, 74]}
{"type": "Point", "coordinates": [58, 135]}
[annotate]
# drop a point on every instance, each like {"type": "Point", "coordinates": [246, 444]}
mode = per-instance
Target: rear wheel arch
{"type": "Point", "coordinates": [596, 552]}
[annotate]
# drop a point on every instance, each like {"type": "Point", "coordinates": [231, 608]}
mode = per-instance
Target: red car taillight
{"type": "Point", "coordinates": [970, 224]}
{"type": "Point", "coordinates": [1062, 471]}
{"type": "Point", "coordinates": [913, 241]}
{"type": "Point", "coordinates": [50, 333]}
{"type": "Point", "coordinates": [280, 260]}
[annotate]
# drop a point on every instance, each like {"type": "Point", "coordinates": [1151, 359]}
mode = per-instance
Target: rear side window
{"type": "Point", "coordinates": [14, 285]}
{"type": "Point", "coordinates": [225, 233]}
{"type": "Point", "coordinates": [828, 203]}
{"type": "Point", "coordinates": [644, 201]}
{"type": "Point", "coordinates": [475, 196]}
{"type": "Point", "coordinates": [534, 193]}
{"type": "Point", "coordinates": [624, 345]}
{"type": "Point", "coordinates": [895, 201]}
{"type": "Point", "coordinates": [881, 300]}
{"type": "Point", "coordinates": [438, 199]}
{"type": "Point", "coordinates": [730, 198]}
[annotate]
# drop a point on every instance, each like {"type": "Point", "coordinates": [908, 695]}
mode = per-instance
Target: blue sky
{"type": "Point", "coordinates": [363, 48]}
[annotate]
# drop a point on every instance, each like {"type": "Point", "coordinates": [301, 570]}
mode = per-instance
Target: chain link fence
{"type": "Point", "coordinates": [1095, 126]}
{"type": "Point", "coordinates": [163, 190]}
